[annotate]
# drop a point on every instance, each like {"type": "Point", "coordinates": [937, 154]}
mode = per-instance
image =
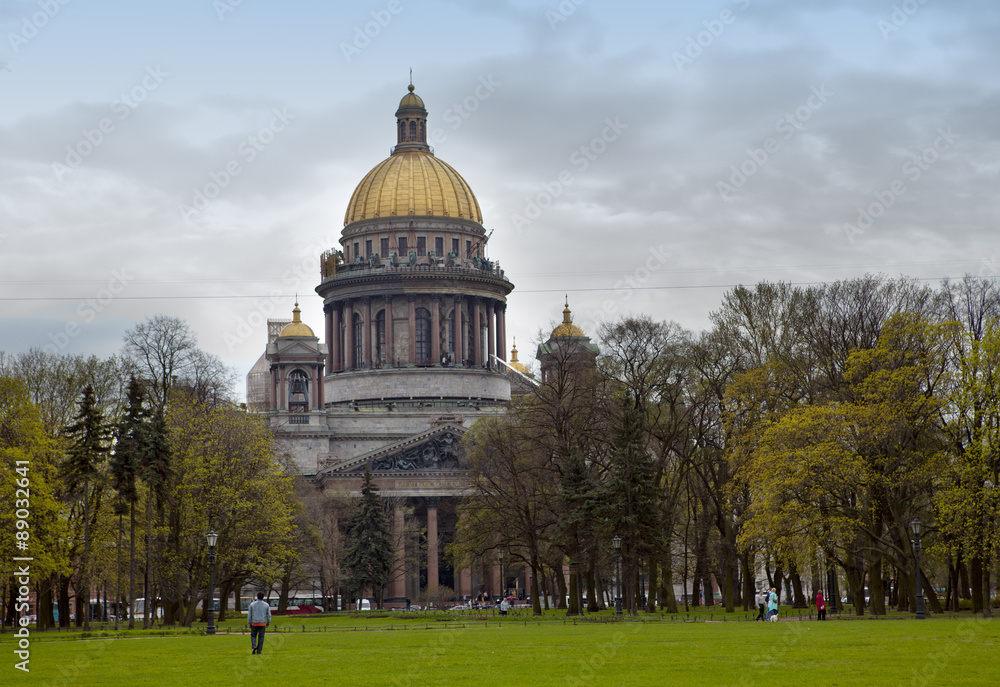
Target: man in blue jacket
{"type": "Point", "coordinates": [258, 618]}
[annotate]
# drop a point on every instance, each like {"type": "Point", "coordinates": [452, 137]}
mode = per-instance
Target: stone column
{"type": "Point", "coordinates": [366, 334]}
{"type": "Point", "coordinates": [397, 587]}
{"type": "Point", "coordinates": [502, 331]}
{"type": "Point", "coordinates": [459, 343]}
{"type": "Point", "coordinates": [390, 348]}
{"type": "Point", "coordinates": [321, 389]}
{"type": "Point", "coordinates": [282, 389]}
{"type": "Point", "coordinates": [328, 311]}
{"type": "Point", "coordinates": [348, 335]}
{"type": "Point", "coordinates": [432, 544]}
{"type": "Point", "coordinates": [477, 335]}
{"type": "Point", "coordinates": [465, 582]}
{"type": "Point", "coordinates": [436, 329]}
{"type": "Point", "coordinates": [491, 334]}
{"type": "Point", "coordinates": [412, 328]}
{"type": "Point", "coordinates": [336, 341]}
{"type": "Point", "coordinates": [273, 401]}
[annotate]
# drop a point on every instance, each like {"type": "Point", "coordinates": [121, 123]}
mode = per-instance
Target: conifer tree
{"type": "Point", "coordinates": [369, 555]}
{"type": "Point", "coordinates": [89, 450]}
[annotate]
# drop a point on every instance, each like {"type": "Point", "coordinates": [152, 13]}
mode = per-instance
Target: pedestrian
{"type": "Point", "coordinates": [761, 605]}
{"type": "Point", "coordinates": [820, 605]}
{"type": "Point", "coordinates": [504, 605]}
{"type": "Point", "coordinates": [258, 618]}
{"type": "Point", "coordinates": [772, 605]}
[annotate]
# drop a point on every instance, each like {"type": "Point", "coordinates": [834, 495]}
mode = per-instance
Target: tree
{"type": "Point", "coordinates": [28, 480]}
{"type": "Point", "coordinates": [132, 446]}
{"type": "Point", "coordinates": [82, 468]}
{"type": "Point", "coordinates": [369, 554]}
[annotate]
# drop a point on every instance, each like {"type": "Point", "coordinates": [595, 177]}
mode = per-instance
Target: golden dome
{"type": "Point", "coordinates": [567, 328]}
{"type": "Point", "coordinates": [515, 363]}
{"type": "Point", "coordinates": [296, 327]}
{"type": "Point", "coordinates": [411, 99]}
{"type": "Point", "coordinates": [413, 183]}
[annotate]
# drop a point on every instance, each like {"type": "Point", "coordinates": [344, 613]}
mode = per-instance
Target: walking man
{"type": "Point", "coordinates": [761, 605]}
{"type": "Point", "coordinates": [258, 617]}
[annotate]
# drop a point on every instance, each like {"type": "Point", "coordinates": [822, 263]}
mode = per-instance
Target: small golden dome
{"type": "Point", "coordinates": [515, 363]}
{"type": "Point", "coordinates": [296, 327]}
{"type": "Point", "coordinates": [411, 99]}
{"type": "Point", "coordinates": [567, 328]}
{"type": "Point", "coordinates": [413, 183]}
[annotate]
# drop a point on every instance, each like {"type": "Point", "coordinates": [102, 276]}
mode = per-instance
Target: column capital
{"type": "Point", "coordinates": [436, 297]}
{"type": "Point", "coordinates": [387, 299]}
{"type": "Point", "coordinates": [411, 297]}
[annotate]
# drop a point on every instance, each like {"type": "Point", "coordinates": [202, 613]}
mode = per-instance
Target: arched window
{"type": "Point", "coordinates": [402, 131]}
{"type": "Point", "coordinates": [413, 131]}
{"type": "Point", "coordinates": [298, 392]}
{"type": "Point", "coordinates": [424, 337]}
{"type": "Point", "coordinates": [380, 339]}
{"type": "Point", "coordinates": [359, 347]}
{"type": "Point", "coordinates": [422, 136]}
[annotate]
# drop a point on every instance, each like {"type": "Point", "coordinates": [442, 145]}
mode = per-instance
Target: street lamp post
{"type": "Point", "coordinates": [618, 574]}
{"type": "Point", "coordinates": [212, 538]}
{"type": "Point", "coordinates": [916, 559]}
{"type": "Point", "coordinates": [503, 592]}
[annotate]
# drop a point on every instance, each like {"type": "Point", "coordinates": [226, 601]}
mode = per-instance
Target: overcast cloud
{"type": "Point", "coordinates": [675, 147]}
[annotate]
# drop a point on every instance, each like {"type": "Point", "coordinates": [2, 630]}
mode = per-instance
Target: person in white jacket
{"type": "Point", "coordinates": [258, 618]}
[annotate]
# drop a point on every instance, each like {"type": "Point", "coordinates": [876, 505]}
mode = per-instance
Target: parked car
{"type": "Point", "coordinates": [363, 605]}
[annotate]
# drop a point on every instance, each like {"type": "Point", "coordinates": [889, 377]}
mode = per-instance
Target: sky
{"type": "Point", "coordinates": [194, 158]}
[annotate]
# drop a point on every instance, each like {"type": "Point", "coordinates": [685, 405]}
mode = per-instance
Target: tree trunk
{"type": "Point", "coordinates": [147, 621]}
{"type": "Point", "coordinates": [225, 589]}
{"type": "Point", "coordinates": [594, 601]}
{"type": "Point", "coordinates": [668, 600]}
{"type": "Point", "coordinates": [536, 603]}
{"type": "Point", "coordinates": [976, 581]}
{"type": "Point", "coordinates": [574, 591]}
{"type": "Point", "coordinates": [64, 601]}
{"type": "Point", "coordinates": [131, 567]}
{"type": "Point", "coordinates": [654, 578]}
{"type": "Point", "coordinates": [560, 580]}
{"type": "Point", "coordinates": [876, 592]}
{"type": "Point", "coordinates": [85, 573]}
{"type": "Point", "coordinates": [798, 598]}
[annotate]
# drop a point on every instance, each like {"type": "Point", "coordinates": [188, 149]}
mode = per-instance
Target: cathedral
{"type": "Point", "coordinates": [413, 352]}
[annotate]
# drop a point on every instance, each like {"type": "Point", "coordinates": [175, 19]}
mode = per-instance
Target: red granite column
{"type": "Point", "coordinates": [477, 335]}
{"type": "Point", "coordinates": [274, 388]}
{"type": "Point", "coordinates": [390, 344]}
{"type": "Point", "coordinates": [435, 329]}
{"type": "Point", "coordinates": [282, 390]}
{"type": "Point", "coordinates": [397, 587]}
{"type": "Point", "coordinates": [366, 334]}
{"type": "Point", "coordinates": [432, 545]}
{"type": "Point", "coordinates": [348, 335]}
{"type": "Point", "coordinates": [412, 329]}
{"type": "Point", "coordinates": [336, 341]}
{"type": "Point", "coordinates": [491, 334]}
{"type": "Point", "coordinates": [459, 342]}
{"type": "Point", "coordinates": [328, 311]}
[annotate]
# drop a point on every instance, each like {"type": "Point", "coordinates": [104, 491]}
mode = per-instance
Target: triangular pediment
{"type": "Point", "coordinates": [435, 450]}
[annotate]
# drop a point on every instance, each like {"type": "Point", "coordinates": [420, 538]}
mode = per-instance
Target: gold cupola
{"type": "Point", "coordinates": [567, 328]}
{"type": "Point", "coordinates": [412, 182]}
{"type": "Point", "coordinates": [297, 327]}
{"type": "Point", "coordinates": [515, 363]}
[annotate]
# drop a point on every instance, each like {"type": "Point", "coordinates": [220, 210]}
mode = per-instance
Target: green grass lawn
{"type": "Point", "coordinates": [447, 649]}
